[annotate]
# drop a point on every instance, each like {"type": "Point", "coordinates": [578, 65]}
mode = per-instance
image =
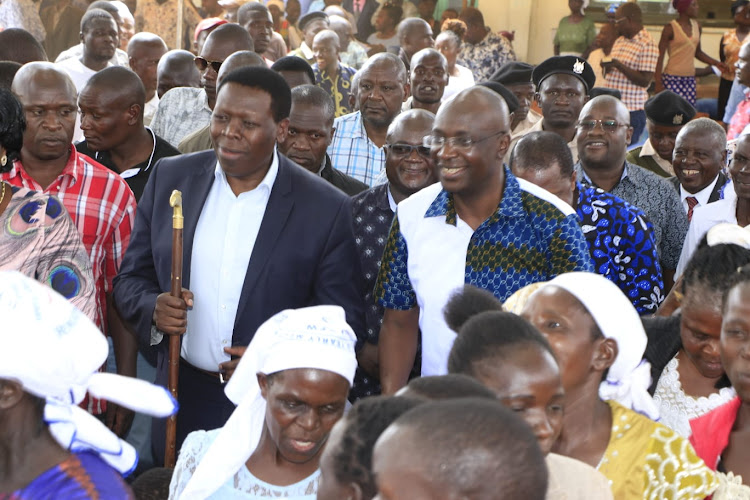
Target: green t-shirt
{"type": "Point", "coordinates": [575, 37]}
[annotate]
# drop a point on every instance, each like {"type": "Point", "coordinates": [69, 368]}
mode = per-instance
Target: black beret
{"type": "Point", "coordinates": [669, 109]}
{"type": "Point", "coordinates": [510, 98]}
{"type": "Point", "coordinates": [597, 91]}
{"type": "Point", "coordinates": [567, 65]}
{"type": "Point", "coordinates": [513, 73]}
{"type": "Point", "coordinates": [310, 17]}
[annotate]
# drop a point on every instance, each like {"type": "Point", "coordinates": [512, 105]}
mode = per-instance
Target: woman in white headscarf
{"type": "Point", "coordinates": [49, 357]}
{"type": "Point", "coordinates": [609, 420]}
{"type": "Point", "coordinates": [290, 388]}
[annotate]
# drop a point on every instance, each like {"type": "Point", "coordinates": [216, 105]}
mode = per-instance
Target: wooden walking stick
{"type": "Point", "coordinates": [175, 201]}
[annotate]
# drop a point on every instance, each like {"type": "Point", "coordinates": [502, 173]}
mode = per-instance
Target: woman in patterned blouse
{"type": "Point", "coordinates": [37, 236]}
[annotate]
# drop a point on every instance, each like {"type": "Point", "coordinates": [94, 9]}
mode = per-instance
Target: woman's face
{"type": "Point", "coordinates": [528, 382]}
{"type": "Point", "coordinates": [735, 339]}
{"type": "Point", "coordinates": [700, 329]}
{"type": "Point", "coordinates": [449, 48]}
{"type": "Point", "coordinates": [566, 324]}
{"type": "Point", "coordinates": [575, 6]}
{"type": "Point", "coordinates": [302, 406]}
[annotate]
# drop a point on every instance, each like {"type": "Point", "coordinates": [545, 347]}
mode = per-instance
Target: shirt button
{"type": "Point", "coordinates": [224, 342]}
{"type": "Point", "coordinates": [223, 306]}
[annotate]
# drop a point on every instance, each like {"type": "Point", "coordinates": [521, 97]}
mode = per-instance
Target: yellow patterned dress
{"type": "Point", "coordinates": [646, 460]}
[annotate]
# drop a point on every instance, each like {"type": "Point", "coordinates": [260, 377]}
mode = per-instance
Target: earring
{"type": "Point", "coordinates": [3, 161]}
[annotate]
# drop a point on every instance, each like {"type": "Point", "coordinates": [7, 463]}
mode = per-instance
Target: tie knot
{"type": "Point", "coordinates": [692, 201]}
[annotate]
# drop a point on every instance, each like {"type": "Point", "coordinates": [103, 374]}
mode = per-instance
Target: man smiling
{"type": "Point", "coordinates": [332, 75]}
{"type": "Point", "coordinates": [251, 208]}
{"type": "Point", "coordinates": [429, 76]}
{"type": "Point", "coordinates": [480, 226]}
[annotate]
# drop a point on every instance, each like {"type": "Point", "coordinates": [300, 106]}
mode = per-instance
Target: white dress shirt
{"type": "Point", "coordinates": [704, 218]}
{"type": "Point", "coordinates": [702, 196]}
{"type": "Point", "coordinates": [224, 239]}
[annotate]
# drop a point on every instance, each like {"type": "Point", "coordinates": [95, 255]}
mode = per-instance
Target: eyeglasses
{"type": "Point", "coordinates": [465, 142]}
{"type": "Point", "coordinates": [406, 149]}
{"type": "Point", "coordinates": [202, 64]}
{"type": "Point", "coordinates": [607, 125]}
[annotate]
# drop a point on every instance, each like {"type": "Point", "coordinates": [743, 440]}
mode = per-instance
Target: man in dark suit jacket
{"type": "Point", "coordinates": [260, 235]}
{"type": "Point", "coordinates": [363, 11]}
{"type": "Point", "coordinates": [310, 134]}
{"type": "Point", "coordinates": [700, 154]}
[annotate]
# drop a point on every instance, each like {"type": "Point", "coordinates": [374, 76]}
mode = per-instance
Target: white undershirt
{"type": "Point", "coordinates": [224, 240]}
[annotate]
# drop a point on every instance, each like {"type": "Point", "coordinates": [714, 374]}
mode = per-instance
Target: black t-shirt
{"type": "Point", "coordinates": [137, 176]}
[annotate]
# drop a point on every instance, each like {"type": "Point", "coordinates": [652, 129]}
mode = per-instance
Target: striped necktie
{"type": "Point", "coordinates": [692, 201]}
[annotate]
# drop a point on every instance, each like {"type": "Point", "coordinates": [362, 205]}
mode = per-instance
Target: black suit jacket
{"type": "Point", "coordinates": [346, 183]}
{"type": "Point", "coordinates": [364, 26]}
{"type": "Point", "coordinates": [715, 194]}
{"type": "Point", "coordinates": [304, 254]}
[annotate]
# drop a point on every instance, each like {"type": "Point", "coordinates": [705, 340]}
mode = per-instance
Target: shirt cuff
{"type": "Point", "coordinates": [156, 336]}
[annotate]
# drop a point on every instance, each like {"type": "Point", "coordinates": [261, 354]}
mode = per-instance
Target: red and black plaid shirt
{"type": "Point", "coordinates": [103, 208]}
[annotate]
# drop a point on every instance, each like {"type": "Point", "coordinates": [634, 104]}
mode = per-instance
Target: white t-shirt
{"type": "Point", "coordinates": [456, 84]}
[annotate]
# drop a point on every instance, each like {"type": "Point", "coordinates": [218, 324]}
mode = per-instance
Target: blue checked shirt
{"type": "Point", "coordinates": [353, 153]}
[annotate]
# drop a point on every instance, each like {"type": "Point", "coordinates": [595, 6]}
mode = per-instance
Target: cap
{"type": "Point", "coordinates": [513, 73]}
{"type": "Point", "coordinates": [510, 98]}
{"type": "Point", "coordinates": [669, 109]}
{"type": "Point", "coordinates": [310, 17]}
{"type": "Point", "coordinates": [207, 24]}
{"type": "Point", "coordinates": [567, 65]}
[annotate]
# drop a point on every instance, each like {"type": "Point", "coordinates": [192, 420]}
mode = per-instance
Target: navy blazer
{"type": "Point", "coordinates": [304, 254]}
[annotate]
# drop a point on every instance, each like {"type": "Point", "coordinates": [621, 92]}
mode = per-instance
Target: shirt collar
{"type": "Point", "coordinates": [703, 195]}
{"type": "Point", "coordinates": [511, 204]}
{"type": "Point", "coordinates": [588, 180]}
{"type": "Point", "coordinates": [71, 169]}
{"type": "Point", "coordinates": [306, 51]}
{"type": "Point", "coordinates": [648, 150]}
{"type": "Point", "coordinates": [391, 202]}
{"type": "Point", "coordinates": [266, 184]}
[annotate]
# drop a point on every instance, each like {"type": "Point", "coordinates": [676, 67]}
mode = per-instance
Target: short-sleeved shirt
{"type": "Point", "coordinates": [532, 236]}
{"type": "Point", "coordinates": [487, 56]}
{"type": "Point", "coordinates": [660, 202]}
{"type": "Point", "coordinates": [639, 53]}
{"type": "Point", "coordinates": [622, 246]}
{"type": "Point", "coordinates": [181, 110]}
{"type": "Point", "coordinates": [338, 87]}
{"type": "Point", "coordinates": [103, 208]}
{"type": "Point", "coordinates": [575, 38]}
{"type": "Point", "coordinates": [352, 152]}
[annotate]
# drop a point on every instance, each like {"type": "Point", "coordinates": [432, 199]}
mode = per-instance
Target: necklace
{"type": "Point", "coordinates": [2, 194]}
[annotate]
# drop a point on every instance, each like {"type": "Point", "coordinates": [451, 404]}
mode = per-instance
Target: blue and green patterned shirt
{"type": "Point", "coordinates": [533, 236]}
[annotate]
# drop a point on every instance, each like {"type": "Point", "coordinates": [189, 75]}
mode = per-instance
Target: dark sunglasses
{"type": "Point", "coordinates": [406, 149]}
{"type": "Point", "coordinates": [202, 64]}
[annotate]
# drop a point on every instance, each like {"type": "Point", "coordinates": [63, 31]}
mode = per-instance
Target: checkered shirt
{"type": "Point", "coordinates": [639, 53]}
{"type": "Point", "coordinates": [353, 153]}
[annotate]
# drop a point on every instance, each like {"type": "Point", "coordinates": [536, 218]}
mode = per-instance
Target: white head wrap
{"type": "Point", "coordinates": [726, 233]}
{"type": "Point", "coordinates": [584, 6]}
{"type": "Point", "coordinates": [54, 351]}
{"type": "Point", "coordinates": [313, 337]}
{"type": "Point", "coordinates": [629, 376]}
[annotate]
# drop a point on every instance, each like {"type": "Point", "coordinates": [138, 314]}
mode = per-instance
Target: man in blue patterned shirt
{"type": "Point", "coordinates": [382, 87]}
{"type": "Point", "coordinates": [479, 226]}
{"type": "Point", "coordinates": [483, 51]}
{"type": "Point", "coordinates": [332, 75]}
{"type": "Point", "coordinates": [620, 236]}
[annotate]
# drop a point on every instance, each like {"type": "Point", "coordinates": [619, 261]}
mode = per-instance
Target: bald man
{"type": "Point", "coordinates": [176, 69]}
{"type": "Point", "coordinates": [382, 87]}
{"type": "Point", "coordinates": [602, 164]}
{"type": "Point", "coordinates": [112, 107]}
{"type": "Point", "coordinates": [414, 34]}
{"type": "Point", "coordinates": [99, 201]}
{"type": "Point", "coordinates": [429, 77]}
{"type": "Point", "coordinates": [200, 140]}
{"type": "Point", "coordinates": [144, 52]}
{"type": "Point", "coordinates": [469, 448]}
{"type": "Point", "coordinates": [185, 110]}
{"type": "Point", "coordinates": [470, 225]}
{"type": "Point", "coordinates": [331, 74]}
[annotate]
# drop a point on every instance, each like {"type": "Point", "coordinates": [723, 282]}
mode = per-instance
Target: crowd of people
{"type": "Point", "coordinates": [412, 265]}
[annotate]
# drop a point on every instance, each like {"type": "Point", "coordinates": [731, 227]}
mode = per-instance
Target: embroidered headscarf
{"type": "Point", "coordinates": [54, 351]}
{"type": "Point", "coordinates": [313, 337]}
